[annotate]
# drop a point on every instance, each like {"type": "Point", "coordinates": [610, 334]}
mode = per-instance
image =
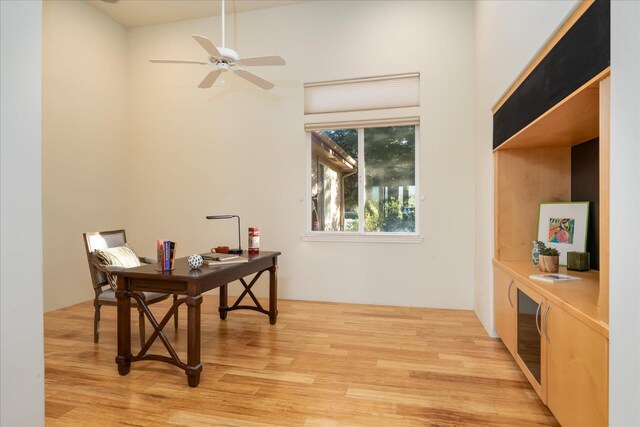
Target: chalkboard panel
{"type": "Point", "coordinates": [582, 53]}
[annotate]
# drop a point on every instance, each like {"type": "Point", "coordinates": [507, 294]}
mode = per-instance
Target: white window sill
{"type": "Point", "coordinates": [362, 238]}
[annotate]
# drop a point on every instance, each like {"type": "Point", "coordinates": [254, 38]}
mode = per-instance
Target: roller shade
{"type": "Point", "coordinates": [371, 93]}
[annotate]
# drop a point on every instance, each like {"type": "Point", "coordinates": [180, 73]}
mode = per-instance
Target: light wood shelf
{"type": "Point", "coordinates": [572, 121]}
{"type": "Point", "coordinates": [578, 298]}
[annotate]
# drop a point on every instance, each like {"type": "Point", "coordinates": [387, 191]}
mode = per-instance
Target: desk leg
{"type": "Point", "coordinates": [194, 367]}
{"type": "Point", "coordinates": [223, 302]}
{"type": "Point", "coordinates": [273, 292]}
{"type": "Point", "coordinates": [123, 359]}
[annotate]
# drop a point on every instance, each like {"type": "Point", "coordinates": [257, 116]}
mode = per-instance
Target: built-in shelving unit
{"type": "Point", "coordinates": [533, 164]}
{"type": "Point", "coordinates": [526, 174]}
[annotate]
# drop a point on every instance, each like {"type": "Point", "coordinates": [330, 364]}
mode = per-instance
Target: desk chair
{"type": "Point", "coordinates": [103, 283]}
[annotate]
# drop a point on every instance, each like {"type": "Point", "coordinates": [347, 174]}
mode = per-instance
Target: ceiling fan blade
{"type": "Point", "coordinates": [263, 60]}
{"type": "Point", "coordinates": [177, 61]}
{"type": "Point", "coordinates": [207, 45]}
{"type": "Point", "coordinates": [208, 81]}
{"type": "Point", "coordinates": [258, 81]}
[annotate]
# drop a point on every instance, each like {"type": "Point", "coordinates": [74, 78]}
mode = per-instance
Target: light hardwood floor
{"type": "Point", "coordinates": [322, 364]}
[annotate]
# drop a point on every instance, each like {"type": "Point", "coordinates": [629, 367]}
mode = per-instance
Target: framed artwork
{"type": "Point", "coordinates": [564, 226]}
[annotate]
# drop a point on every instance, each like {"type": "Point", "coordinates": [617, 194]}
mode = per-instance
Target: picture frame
{"type": "Point", "coordinates": [563, 226]}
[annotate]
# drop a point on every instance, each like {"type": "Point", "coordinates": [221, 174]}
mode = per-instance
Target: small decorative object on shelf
{"type": "Point", "coordinates": [254, 240]}
{"type": "Point", "coordinates": [578, 261]}
{"type": "Point", "coordinates": [549, 264]}
{"type": "Point", "coordinates": [195, 261]}
{"type": "Point", "coordinates": [563, 226]}
{"type": "Point", "coordinates": [535, 252]}
{"type": "Point", "coordinates": [549, 258]}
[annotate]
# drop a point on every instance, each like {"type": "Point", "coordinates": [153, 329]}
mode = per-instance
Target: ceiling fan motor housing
{"type": "Point", "coordinates": [229, 55]}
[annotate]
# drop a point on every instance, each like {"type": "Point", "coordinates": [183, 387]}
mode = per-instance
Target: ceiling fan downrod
{"type": "Point", "coordinates": [222, 14]}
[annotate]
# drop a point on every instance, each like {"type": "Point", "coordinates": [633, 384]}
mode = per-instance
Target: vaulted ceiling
{"type": "Point", "coordinates": [133, 13]}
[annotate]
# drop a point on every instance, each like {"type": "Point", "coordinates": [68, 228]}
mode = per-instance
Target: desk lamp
{"type": "Point", "coordinates": [231, 251]}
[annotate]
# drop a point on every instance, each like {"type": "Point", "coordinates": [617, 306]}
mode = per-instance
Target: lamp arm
{"type": "Point", "coordinates": [239, 250]}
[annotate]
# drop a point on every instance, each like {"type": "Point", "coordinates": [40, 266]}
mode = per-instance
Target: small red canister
{"type": "Point", "coordinates": [254, 240]}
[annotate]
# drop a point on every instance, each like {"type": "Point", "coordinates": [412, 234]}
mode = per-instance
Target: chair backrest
{"type": "Point", "coordinates": [101, 240]}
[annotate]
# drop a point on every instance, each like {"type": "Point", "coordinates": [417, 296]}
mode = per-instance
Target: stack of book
{"type": "Point", "coordinates": [166, 254]}
{"type": "Point", "coordinates": [221, 259]}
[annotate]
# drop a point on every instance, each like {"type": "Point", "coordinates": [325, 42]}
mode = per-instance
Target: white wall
{"type": "Point", "coordinates": [241, 150]}
{"type": "Point", "coordinates": [624, 332]}
{"type": "Point", "coordinates": [508, 36]}
{"type": "Point", "coordinates": [21, 347]}
{"type": "Point", "coordinates": [84, 163]}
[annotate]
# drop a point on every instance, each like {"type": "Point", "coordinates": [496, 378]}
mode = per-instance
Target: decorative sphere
{"type": "Point", "coordinates": [195, 261]}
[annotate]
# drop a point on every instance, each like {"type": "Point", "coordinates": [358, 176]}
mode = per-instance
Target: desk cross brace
{"type": "Point", "coordinates": [245, 292]}
{"type": "Point", "coordinates": [142, 355]}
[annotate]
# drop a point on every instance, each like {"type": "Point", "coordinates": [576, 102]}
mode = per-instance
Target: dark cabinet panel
{"type": "Point", "coordinates": [580, 55]}
{"type": "Point", "coordinates": [585, 187]}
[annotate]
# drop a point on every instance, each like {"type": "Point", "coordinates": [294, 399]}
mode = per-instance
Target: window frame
{"type": "Point", "coordinates": [362, 236]}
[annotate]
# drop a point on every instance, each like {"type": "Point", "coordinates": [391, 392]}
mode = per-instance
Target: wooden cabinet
{"type": "Point", "coordinates": [577, 364]}
{"type": "Point", "coordinates": [557, 333]}
{"type": "Point", "coordinates": [558, 337]}
{"type": "Point", "coordinates": [564, 356]}
{"type": "Point", "coordinates": [504, 308]}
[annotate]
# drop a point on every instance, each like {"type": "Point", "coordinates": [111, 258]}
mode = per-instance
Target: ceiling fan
{"type": "Point", "coordinates": [226, 59]}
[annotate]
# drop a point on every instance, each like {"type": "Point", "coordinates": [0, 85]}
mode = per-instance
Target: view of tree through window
{"type": "Point", "coordinates": [390, 165]}
{"type": "Point", "coordinates": [386, 166]}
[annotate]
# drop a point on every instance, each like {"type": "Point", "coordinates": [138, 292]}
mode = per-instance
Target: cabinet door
{"type": "Point", "coordinates": [504, 308]}
{"type": "Point", "coordinates": [531, 346]}
{"type": "Point", "coordinates": [577, 370]}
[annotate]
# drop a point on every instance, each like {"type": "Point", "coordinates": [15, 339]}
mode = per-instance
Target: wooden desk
{"type": "Point", "coordinates": [190, 283]}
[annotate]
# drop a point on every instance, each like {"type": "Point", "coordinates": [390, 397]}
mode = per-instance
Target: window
{"type": "Point", "coordinates": [362, 181]}
{"type": "Point", "coordinates": [363, 177]}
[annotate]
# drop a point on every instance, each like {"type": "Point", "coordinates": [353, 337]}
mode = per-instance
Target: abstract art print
{"type": "Point", "coordinates": [561, 230]}
{"type": "Point", "coordinates": [563, 226]}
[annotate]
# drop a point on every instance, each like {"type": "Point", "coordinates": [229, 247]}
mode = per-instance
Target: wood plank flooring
{"type": "Point", "coordinates": [322, 364]}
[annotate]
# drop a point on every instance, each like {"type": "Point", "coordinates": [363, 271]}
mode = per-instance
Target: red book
{"type": "Point", "coordinates": [160, 253]}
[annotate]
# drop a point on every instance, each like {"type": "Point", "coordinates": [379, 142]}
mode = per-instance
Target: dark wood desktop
{"type": "Point", "coordinates": [192, 284]}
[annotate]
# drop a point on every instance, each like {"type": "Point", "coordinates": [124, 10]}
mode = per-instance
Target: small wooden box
{"type": "Point", "coordinates": [578, 261]}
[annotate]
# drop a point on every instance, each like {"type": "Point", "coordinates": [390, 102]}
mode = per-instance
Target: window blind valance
{"type": "Point", "coordinates": [355, 124]}
{"type": "Point", "coordinates": [371, 93]}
